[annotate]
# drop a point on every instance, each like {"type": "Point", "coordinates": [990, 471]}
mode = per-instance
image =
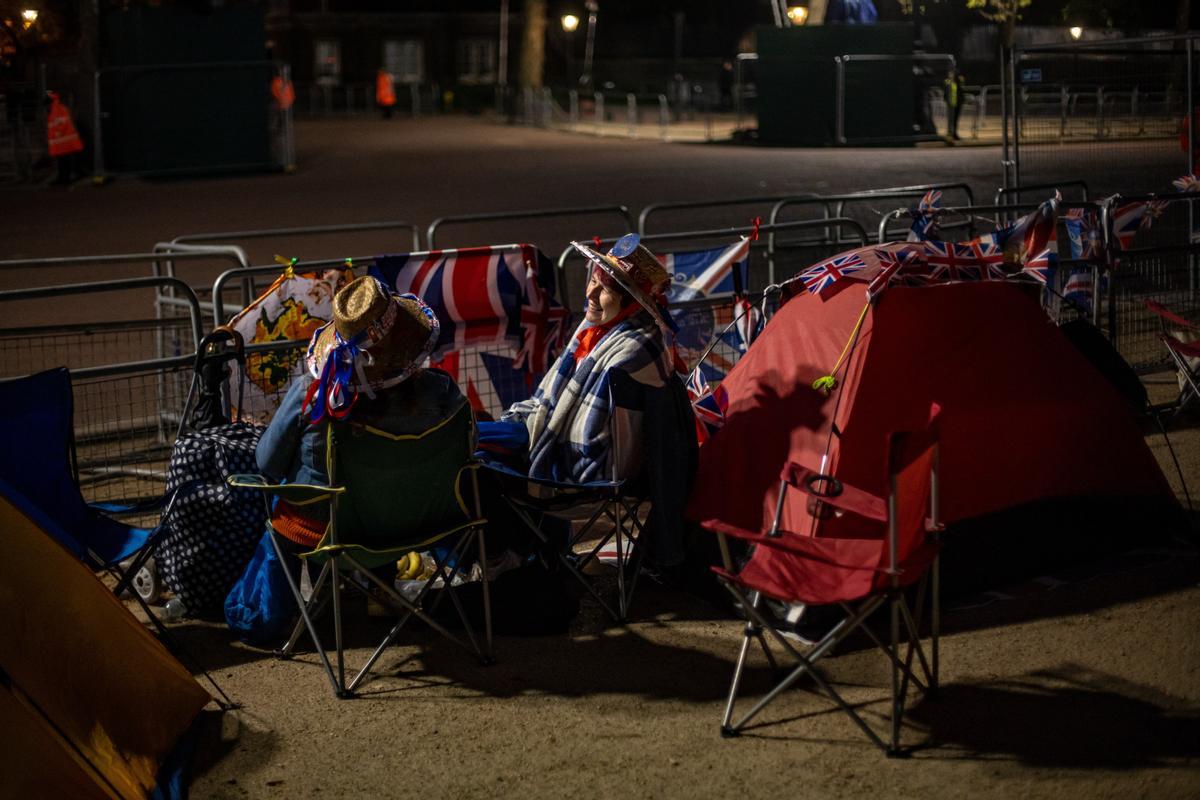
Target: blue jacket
{"type": "Point", "coordinates": [293, 449]}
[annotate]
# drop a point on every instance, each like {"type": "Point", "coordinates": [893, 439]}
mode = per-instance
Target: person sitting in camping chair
{"type": "Point", "coordinates": [581, 406]}
{"type": "Point", "coordinates": [364, 365]}
{"type": "Point", "coordinates": [611, 409]}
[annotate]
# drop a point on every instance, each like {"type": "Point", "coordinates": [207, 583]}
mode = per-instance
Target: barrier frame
{"type": "Point", "coordinates": [539, 213]}
{"type": "Point", "coordinates": [770, 246]}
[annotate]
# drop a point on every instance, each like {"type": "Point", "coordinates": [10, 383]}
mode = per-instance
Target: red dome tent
{"type": "Point", "coordinates": [1026, 418]}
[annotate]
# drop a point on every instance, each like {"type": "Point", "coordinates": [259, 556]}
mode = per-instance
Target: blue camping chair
{"type": "Point", "coordinates": [37, 464]}
{"type": "Point", "coordinates": [38, 461]}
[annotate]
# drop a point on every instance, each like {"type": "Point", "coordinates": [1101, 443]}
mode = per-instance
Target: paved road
{"type": "Point", "coordinates": [417, 170]}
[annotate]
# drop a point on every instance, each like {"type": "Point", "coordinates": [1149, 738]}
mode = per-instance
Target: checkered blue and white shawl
{"type": "Point", "coordinates": [570, 438]}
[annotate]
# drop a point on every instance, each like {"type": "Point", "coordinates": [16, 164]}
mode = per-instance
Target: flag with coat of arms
{"type": "Point", "coordinates": [709, 274]}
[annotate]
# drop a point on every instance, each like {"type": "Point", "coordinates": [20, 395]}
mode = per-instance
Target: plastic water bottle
{"type": "Point", "coordinates": [174, 609]}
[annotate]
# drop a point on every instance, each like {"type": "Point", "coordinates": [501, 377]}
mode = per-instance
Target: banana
{"type": "Point", "coordinates": [409, 566]}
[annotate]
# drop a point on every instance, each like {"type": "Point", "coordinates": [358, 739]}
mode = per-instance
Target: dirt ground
{"type": "Point", "coordinates": [1081, 683]}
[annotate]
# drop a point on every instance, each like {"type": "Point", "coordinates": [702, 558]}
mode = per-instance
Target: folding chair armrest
{"type": "Point", "coordinates": [512, 473]}
{"type": "Point", "coordinates": [838, 494]}
{"type": "Point", "coordinates": [1167, 315]}
{"type": "Point", "coordinates": [294, 493]}
{"type": "Point", "coordinates": [1185, 349]}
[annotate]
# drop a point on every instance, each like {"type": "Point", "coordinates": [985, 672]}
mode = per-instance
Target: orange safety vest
{"type": "Point", "coordinates": [283, 92]}
{"type": "Point", "coordinates": [61, 137]}
{"type": "Point", "coordinates": [385, 95]}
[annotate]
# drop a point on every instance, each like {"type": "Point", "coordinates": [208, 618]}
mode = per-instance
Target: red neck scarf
{"type": "Point", "coordinates": [592, 336]}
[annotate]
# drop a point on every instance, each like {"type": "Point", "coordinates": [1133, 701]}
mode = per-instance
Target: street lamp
{"type": "Point", "coordinates": [586, 78]}
{"type": "Point", "coordinates": [570, 23]}
{"type": "Point", "coordinates": [797, 14]}
{"type": "Point", "coordinates": [1076, 32]}
{"type": "Point", "coordinates": [29, 16]}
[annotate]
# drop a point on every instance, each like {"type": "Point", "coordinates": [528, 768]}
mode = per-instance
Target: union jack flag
{"type": "Point", "coordinates": [925, 217]}
{"type": "Point", "coordinates": [953, 262]}
{"type": "Point", "coordinates": [1130, 218]}
{"type": "Point", "coordinates": [489, 380]}
{"type": "Point", "coordinates": [709, 405]}
{"type": "Point", "coordinates": [989, 255]}
{"type": "Point", "coordinates": [485, 296]}
{"type": "Point", "coordinates": [906, 265]}
{"type": "Point", "coordinates": [1028, 236]}
{"type": "Point", "coordinates": [820, 277]}
{"type": "Point", "coordinates": [1041, 266]}
{"type": "Point", "coordinates": [749, 322]}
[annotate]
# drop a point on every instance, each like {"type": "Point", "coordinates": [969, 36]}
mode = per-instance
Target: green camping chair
{"type": "Point", "coordinates": [389, 494]}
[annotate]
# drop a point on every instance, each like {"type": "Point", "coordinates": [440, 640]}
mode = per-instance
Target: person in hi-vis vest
{"type": "Point", "coordinates": [385, 92]}
{"type": "Point", "coordinates": [62, 140]}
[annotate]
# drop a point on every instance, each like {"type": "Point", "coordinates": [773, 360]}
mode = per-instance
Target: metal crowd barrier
{"type": "Point", "coordinates": [1005, 192]}
{"type": "Point", "coordinates": [769, 249]}
{"type": "Point", "coordinates": [543, 213]}
{"type": "Point", "coordinates": [1167, 271]}
{"type": "Point", "coordinates": [765, 202]}
{"type": "Point", "coordinates": [840, 201]}
{"type": "Point", "coordinates": [127, 398]}
{"type": "Point", "coordinates": [310, 230]}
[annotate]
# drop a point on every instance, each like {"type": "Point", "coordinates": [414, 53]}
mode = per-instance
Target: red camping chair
{"type": "Point", "coordinates": [859, 574]}
{"type": "Point", "coordinates": [1185, 354]}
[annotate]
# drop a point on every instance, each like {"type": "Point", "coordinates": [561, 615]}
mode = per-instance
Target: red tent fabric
{"type": "Point", "coordinates": [1025, 416]}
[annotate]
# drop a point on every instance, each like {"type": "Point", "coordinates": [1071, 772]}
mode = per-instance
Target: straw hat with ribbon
{"type": "Point", "coordinates": [376, 340]}
{"type": "Point", "coordinates": [638, 271]}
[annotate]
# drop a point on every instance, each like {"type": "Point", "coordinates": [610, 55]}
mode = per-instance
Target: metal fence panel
{"type": "Point", "coordinates": [1111, 113]}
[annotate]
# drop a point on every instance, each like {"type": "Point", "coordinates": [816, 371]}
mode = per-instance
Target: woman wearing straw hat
{"type": "Point", "coordinates": [365, 364]}
{"type": "Point", "coordinates": [567, 420]}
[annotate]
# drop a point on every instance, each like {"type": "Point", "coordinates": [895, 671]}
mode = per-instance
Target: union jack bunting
{"type": "Point", "coordinates": [1041, 266]}
{"type": "Point", "coordinates": [1026, 237]}
{"type": "Point", "coordinates": [1130, 218]}
{"type": "Point", "coordinates": [485, 296]}
{"type": "Point", "coordinates": [925, 217]}
{"type": "Point", "coordinates": [820, 277]}
{"type": "Point", "coordinates": [906, 266]}
{"type": "Point", "coordinates": [953, 262]}
{"type": "Point", "coordinates": [1187, 183]}
{"type": "Point", "coordinates": [709, 405]}
{"type": "Point", "coordinates": [748, 322]}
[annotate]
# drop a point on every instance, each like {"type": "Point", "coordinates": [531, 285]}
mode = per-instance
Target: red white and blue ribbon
{"type": "Point", "coordinates": [334, 392]}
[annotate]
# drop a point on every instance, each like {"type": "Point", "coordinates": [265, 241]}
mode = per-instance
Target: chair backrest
{"type": "Point", "coordinates": [401, 488]}
{"type": "Point", "coordinates": [912, 465]}
{"type": "Point", "coordinates": [35, 460]}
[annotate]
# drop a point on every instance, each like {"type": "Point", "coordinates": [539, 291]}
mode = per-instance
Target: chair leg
{"type": "Point", "coordinates": [935, 620]}
{"type": "Point", "coordinates": [897, 701]}
{"type": "Point", "coordinates": [336, 587]}
{"type": "Point", "coordinates": [563, 558]}
{"type": "Point", "coordinates": [306, 619]}
{"type": "Point", "coordinates": [806, 665]}
{"type": "Point", "coordinates": [748, 632]}
{"type": "Point", "coordinates": [308, 612]}
{"type": "Point", "coordinates": [489, 651]}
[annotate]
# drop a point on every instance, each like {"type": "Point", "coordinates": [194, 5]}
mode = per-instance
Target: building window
{"type": "Point", "coordinates": [477, 61]}
{"type": "Point", "coordinates": [328, 62]}
{"type": "Point", "coordinates": [405, 59]}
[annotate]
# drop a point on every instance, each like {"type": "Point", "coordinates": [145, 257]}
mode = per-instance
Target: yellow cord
{"type": "Point", "coordinates": [827, 383]}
